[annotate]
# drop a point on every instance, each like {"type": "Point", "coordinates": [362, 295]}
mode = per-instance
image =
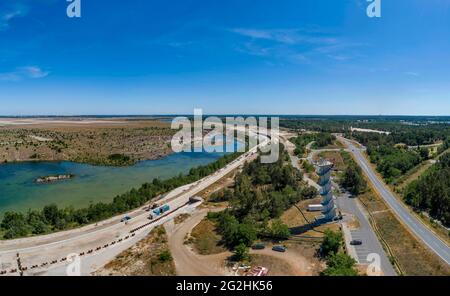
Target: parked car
{"type": "Point", "coordinates": [259, 246]}
{"type": "Point", "coordinates": [279, 249]}
{"type": "Point", "coordinates": [126, 218]}
{"type": "Point", "coordinates": [356, 242]}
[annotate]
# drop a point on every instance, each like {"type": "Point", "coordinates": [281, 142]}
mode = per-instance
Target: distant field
{"type": "Point", "coordinates": [99, 142]}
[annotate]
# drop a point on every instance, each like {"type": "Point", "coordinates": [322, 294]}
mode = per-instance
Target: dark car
{"type": "Point", "coordinates": [126, 218]}
{"type": "Point", "coordinates": [279, 249]}
{"type": "Point", "coordinates": [258, 247]}
{"type": "Point", "coordinates": [356, 242]}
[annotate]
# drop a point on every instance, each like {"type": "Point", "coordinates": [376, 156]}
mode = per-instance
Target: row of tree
{"type": "Point", "coordinates": [431, 192]}
{"type": "Point", "coordinates": [51, 218]}
{"type": "Point", "coordinates": [338, 263]}
{"type": "Point", "coordinates": [262, 192]}
{"type": "Point", "coordinates": [320, 140]}
{"type": "Point", "coordinates": [392, 160]}
{"type": "Point", "coordinates": [411, 131]}
{"type": "Point", "coordinates": [352, 179]}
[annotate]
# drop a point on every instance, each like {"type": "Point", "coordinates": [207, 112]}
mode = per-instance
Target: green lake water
{"type": "Point", "coordinates": [19, 192]}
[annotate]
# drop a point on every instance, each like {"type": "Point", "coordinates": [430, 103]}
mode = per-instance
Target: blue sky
{"type": "Point", "coordinates": [234, 56]}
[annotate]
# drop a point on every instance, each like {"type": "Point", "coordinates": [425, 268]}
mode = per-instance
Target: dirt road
{"type": "Point", "coordinates": [187, 262]}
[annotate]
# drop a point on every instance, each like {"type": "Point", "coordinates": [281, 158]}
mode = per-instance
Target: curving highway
{"type": "Point", "coordinates": [413, 223]}
{"type": "Point", "coordinates": [99, 243]}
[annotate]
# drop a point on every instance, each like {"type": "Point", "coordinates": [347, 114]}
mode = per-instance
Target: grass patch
{"type": "Point", "coordinates": [205, 238]}
{"type": "Point", "coordinates": [412, 256]}
{"type": "Point", "coordinates": [299, 226]}
{"type": "Point", "coordinates": [181, 218]}
{"type": "Point", "coordinates": [412, 175]}
{"type": "Point", "coordinates": [276, 266]}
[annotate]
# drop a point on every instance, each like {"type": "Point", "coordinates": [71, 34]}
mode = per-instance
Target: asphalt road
{"type": "Point", "coordinates": [47, 251]}
{"type": "Point", "coordinates": [417, 227]}
{"type": "Point", "coordinates": [350, 206]}
{"type": "Point", "coordinates": [366, 234]}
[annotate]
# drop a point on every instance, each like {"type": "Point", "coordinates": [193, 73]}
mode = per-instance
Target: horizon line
{"type": "Point", "coordinates": [219, 114]}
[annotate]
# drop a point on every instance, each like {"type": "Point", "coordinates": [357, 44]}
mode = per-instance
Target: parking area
{"type": "Point", "coordinates": [361, 250]}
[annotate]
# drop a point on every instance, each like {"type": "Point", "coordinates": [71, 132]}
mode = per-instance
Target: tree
{"type": "Point", "coordinates": [51, 213]}
{"type": "Point", "coordinates": [241, 252]}
{"type": "Point", "coordinates": [228, 227]}
{"type": "Point", "coordinates": [15, 225]}
{"type": "Point", "coordinates": [279, 230]}
{"type": "Point", "coordinates": [340, 264]}
{"type": "Point", "coordinates": [246, 234]}
{"type": "Point", "coordinates": [331, 242]}
{"type": "Point", "coordinates": [424, 153]}
{"type": "Point", "coordinates": [353, 180]}
{"type": "Point", "coordinates": [431, 192]}
{"type": "Point", "coordinates": [165, 256]}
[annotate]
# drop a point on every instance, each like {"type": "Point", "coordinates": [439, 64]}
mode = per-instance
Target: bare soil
{"type": "Point", "coordinates": [149, 257]}
{"type": "Point", "coordinates": [110, 143]}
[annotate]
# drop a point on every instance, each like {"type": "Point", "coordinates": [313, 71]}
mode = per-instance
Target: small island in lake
{"type": "Point", "coordinates": [53, 178]}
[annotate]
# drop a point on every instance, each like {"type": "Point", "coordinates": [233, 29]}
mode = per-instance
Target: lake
{"type": "Point", "coordinates": [19, 192]}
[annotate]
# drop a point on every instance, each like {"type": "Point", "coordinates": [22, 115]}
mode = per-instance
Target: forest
{"type": "Point", "coordinates": [352, 178]}
{"type": "Point", "coordinates": [393, 159]}
{"type": "Point", "coordinates": [51, 218]}
{"type": "Point", "coordinates": [411, 131]}
{"type": "Point", "coordinates": [320, 140]}
{"type": "Point", "coordinates": [262, 192]}
{"type": "Point", "coordinates": [431, 192]}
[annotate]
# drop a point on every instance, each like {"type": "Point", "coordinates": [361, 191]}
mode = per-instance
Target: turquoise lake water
{"type": "Point", "coordinates": [91, 184]}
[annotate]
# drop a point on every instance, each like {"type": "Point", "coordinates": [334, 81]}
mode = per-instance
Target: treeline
{"type": "Point", "coordinates": [51, 218]}
{"type": "Point", "coordinates": [262, 192]}
{"type": "Point", "coordinates": [317, 124]}
{"type": "Point", "coordinates": [392, 160]}
{"type": "Point", "coordinates": [300, 143]}
{"type": "Point", "coordinates": [414, 132]}
{"type": "Point", "coordinates": [410, 136]}
{"type": "Point", "coordinates": [320, 140]}
{"type": "Point", "coordinates": [445, 146]}
{"type": "Point", "coordinates": [431, 192]}
{"type": "Point", "coordinates": [323, 140]}
{"type": "Point", "coordinates": [352, 178]}
{"type": "Point", "coordinates": [338, 263]}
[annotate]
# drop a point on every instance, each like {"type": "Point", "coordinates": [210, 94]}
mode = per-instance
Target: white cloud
{"type": "Point", "coordinates": [28, 72]}
{"type": "Point", "coordinates": [295, 45]}
{"type": "Point", "coordinates": [415, 74]}
{"type": "Point", "coordinates": [286, 36]}
{"type": "Point", "coordinates": [8, 15]}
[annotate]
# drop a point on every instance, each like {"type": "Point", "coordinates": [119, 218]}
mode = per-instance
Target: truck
{"type": "Point", "coordinates": [161, 210]}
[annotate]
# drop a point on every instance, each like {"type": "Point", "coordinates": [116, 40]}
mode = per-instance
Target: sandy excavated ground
{"type": "Point", "coordinates": [84, 140]}
{"type": "Point", "coordinates": [142, 259]}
